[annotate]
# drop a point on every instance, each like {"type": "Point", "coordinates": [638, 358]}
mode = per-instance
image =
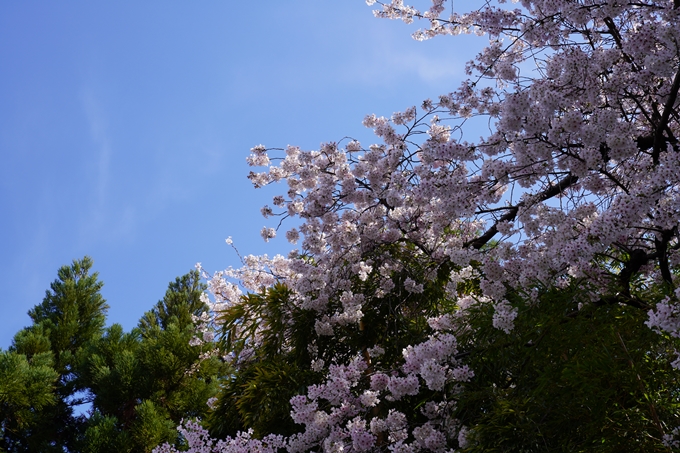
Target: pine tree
{"type": "Point", "coordinates": [140, 384]}
{"type": "Point", "coordinates": [143, 383]}
{"type": "Point", "coordinates": [71, 315]}
{"type": "Point", "coordinates": [26, 390]}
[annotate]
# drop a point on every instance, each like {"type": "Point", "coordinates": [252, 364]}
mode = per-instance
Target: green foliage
{"type": "Point", "coordinates": [71, 315]}
{"type": "Point", "coordinates": [269, 338]}
{"type": "Point", "coordinates": [182, 301]}
{"type": "Point", "coordinates": [152, 427]}
{"type": "Point", "coordinates": [140, 384]}
{"type": "Point", "coordinates": [26, 389]}
{"type": "Point", "coordinates": [103, 435]}
{"type": "Point", "coordinates": [592, 378]}
{"type": "Point", "coordinates": [143, 383]}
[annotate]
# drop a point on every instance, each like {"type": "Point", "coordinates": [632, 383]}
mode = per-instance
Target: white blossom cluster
{"type": "Point", "coordinates": [337, 414]}
{"type": "Point", "coordinates": [504, 315]}
{"type": "Point", "coordinates": [666, 318]}
{"type": "Point", "coordinates": [672, 440]}
{"type": "Point", "coordinates": [199, 441]}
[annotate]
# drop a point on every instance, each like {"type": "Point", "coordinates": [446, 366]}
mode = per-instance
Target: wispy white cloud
{"type": "Point", "coordinates": [100, 136]}
{"type": "Point", "coordinates": [101, 220]}
{"type": "Point", "coordinates": [390, 57]}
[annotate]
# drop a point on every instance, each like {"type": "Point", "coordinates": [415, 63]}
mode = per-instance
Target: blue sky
{"type": "Point", "coordinates": [124, 128]}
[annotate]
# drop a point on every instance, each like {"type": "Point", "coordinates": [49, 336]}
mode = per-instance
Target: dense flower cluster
{"type": "Point", "coordinates": [199, 441]}
{"type": "Point", "coordinates": [578, 178]}
{"type": "Point", "coordinates": [591, 171]}
{"type": "Point", "coordinates": [666, 317]}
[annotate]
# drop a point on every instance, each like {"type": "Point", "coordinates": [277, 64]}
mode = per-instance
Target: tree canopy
{"type": "Point", "coordinates": [70, 384]}
{"type": "Point", "coordinates": [71, 315]}
{"type": "Point", "coordinates": [513, 292]}
{"type": "Point", "coordinates": [144, 382]}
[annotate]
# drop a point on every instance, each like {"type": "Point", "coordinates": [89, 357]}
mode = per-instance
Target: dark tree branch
{"type": "Point", "coordinates": [645, 142]}
{"type": "Point", "coordinates": [661, 246]}
{"type": "Point", "coordinates": [551, 191]}
{"type": "Point", "coordinates": [638, 258]}
{"type": "Point", "coordinates": [491, 232]}
{"type": "Point", "coordinates": [604, 152]}
{"type": "Point", "coordinates": [665, 115]}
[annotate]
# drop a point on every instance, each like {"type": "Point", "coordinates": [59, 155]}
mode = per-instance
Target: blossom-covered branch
{"type": "Point", "coordinates": [412, 237]}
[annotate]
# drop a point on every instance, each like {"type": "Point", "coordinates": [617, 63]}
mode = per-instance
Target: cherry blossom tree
{"type": "Point", "coordinates": [450, 244]}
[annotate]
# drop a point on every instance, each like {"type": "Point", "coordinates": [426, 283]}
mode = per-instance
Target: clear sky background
{"type": "Point", "coordinates": [124, 128]}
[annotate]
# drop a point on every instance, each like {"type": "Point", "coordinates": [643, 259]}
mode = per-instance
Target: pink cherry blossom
{"type": "Point", "coordinates": [577, 178]}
